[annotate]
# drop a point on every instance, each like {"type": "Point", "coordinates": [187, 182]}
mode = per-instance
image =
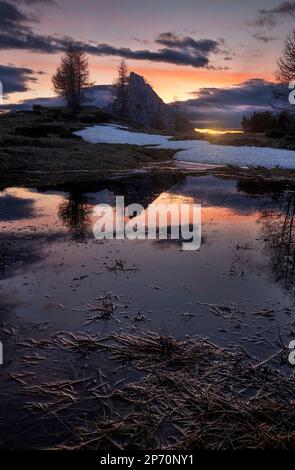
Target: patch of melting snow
{"type": "Point", "coordinates": [197, 151]}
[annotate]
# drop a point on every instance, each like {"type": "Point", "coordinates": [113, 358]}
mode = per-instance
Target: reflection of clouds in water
{"type": "Point", "coordinates": [30, 204]}
{"type": "Point", "coordinates": [143, 189]}
{"type": "Point", "coordinates": [15, 208]}
{"type": "Point", "coordinates": [104, 196]}
{"type": "Point", "coordinates": [206, 190]}
{"type": "Point", "coordinates": [217, 192]}
{"type": "Point", "coordinates": [19, 252]}
{"type": "Point", "coordinates": [73, 211]}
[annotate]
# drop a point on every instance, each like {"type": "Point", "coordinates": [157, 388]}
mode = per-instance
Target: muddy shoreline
{"type": "Point", "coordinates": [85, 178]}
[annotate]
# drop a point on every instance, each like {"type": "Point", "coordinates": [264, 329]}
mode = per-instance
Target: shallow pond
{"type": "Point", "coordinates": [238, 287]}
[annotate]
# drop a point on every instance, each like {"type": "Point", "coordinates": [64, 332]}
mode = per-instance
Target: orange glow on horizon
{"type": "Point", "coordinates": [182, 82]}
{"type": "Point", "coordinates": [168, 81]}
{"type": "Point", "coordinates": [217, 132]}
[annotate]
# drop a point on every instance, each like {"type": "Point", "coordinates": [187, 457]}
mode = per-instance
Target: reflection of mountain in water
{"type": "Point", "coordinates": [274, 201]}
{"type": "Point", "coordinates": [144, 189]}
{"type": "Point", "coordinates": [75, 211]}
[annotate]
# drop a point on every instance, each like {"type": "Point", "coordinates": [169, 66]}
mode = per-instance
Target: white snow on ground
{"type": "Point", "coordinates": [197, 151]}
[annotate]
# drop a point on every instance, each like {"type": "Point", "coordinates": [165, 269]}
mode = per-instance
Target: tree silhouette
{"type": "Point", "coordinates": [120, 89]}
{"type": "Point", "coordinates": [286, 63]}
{"type": "Point", "coordinates": [177, 112]}
{"type": "Point", "coordinates": [75, 214]}
{"type": "Point", "coordinates": [71, 79]}
{"type": "Point", "coordinates": [278, 231]}
{"type": "Point", "coordinates": [285, 73]}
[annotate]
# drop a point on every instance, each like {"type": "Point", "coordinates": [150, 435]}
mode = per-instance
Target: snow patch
{"type": "Point", "coordinates": [197, 151]}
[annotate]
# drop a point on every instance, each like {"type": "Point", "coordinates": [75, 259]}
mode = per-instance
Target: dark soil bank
{"type": "Point", "coordinates": [42, 149]}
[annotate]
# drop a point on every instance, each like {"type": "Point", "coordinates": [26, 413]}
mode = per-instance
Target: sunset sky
{"type": "Point", "coordinates": [217, 54]}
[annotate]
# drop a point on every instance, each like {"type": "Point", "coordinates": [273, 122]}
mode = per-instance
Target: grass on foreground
{"type": "Point", "coordinates": [188, 395]}
{"type": "Point", "coordinates": [39, 148]}
{"type": "Point", "coordinates": [42, 149]}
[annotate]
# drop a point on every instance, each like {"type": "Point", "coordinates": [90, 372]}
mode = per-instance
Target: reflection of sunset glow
{"type": "Point", "coordinates": [223, 215]}
{"type": "Point", "coordinates": [175, 216]}
{"type": "Point", "coordinates": [46, 209]}
{"type": "Point", "coordinates": [171, 198]}
{"type": "Point", "coordinates": [217, 132]}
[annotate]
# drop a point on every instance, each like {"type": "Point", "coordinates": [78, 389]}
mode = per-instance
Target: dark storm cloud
{"type": "Point", "coordinates": [254, 92]}
{"type": "Point", "coordinates": [284, 8]}
{"type": "Point", "coordinates": [16, 79]}
{"type": "Point", "coordinates": [36, 2]}
{"type": "Point", "coordinates": [203, 46]}
{"type": "Point", "coordinates": [51, 44]}
{"type": "Point", "coordinates": [263, 21]}
{"type": "Point", "coordinates": [225, 107]}
{"type": "Point", "coordinates": [27, 40]}
{"type": "Point", "coordinates": [269, 17]}
{"type": "Point", "coordinates": [11, 18]}
{"type": "Point", "coordinates": [169, 55]}
{"type": "Point", "coordinates": [15, 34]}
{"type": "Point", "coordinates": [263, 37]}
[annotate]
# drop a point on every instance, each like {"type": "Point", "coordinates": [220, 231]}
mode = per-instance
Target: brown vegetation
{"type": "Point", "coordinates": [188, 395]}
{"type": "Point", "coordinates": [40, 147]}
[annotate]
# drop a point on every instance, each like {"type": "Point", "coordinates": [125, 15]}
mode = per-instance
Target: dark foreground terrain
{"type": "Point", "coordinates": [40, 147]}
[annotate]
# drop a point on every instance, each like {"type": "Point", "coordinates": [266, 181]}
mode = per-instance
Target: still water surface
{"type": "Point", "coordinates": [238, 288]}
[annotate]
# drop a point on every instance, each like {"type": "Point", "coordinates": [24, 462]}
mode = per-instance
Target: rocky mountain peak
{"type": "Point", "coordinates": [144, 107]}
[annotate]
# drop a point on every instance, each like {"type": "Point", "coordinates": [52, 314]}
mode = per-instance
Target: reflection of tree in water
{"type": "Point", "coordinates": [277, 225]}
{"type": "Point", "coordinates": [278, 231]}
{"type": "Point", "coordinates": [259, 187]}
{"type": "Point", "coordinates": [74, 213]}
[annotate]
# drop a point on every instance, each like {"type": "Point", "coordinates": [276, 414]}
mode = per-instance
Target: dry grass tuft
{"type": "Point", "coordinates": [188, 395]}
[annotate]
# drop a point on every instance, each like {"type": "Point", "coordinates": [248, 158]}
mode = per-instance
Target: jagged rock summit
{"type": "Point", "coordinates": [144, 107]}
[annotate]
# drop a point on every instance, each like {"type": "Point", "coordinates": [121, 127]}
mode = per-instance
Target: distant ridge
{"type": "Point", "coordinates": [99, 96]}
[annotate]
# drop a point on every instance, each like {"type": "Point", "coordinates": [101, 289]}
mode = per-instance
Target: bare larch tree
{"type": "Point", "coordinates": [286, 63]}
{"type": "Point", "coordinates": [285, 73]}
{"type": "Point", "coordinates": [71, 79]}
{"type": "Point", "coordinates": [120, 89]}
{"type": "Point", "coordinates": [177, 112]}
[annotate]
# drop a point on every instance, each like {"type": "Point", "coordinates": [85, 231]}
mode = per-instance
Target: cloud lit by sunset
{"type": "Point", "coordinates": [181, 49]}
